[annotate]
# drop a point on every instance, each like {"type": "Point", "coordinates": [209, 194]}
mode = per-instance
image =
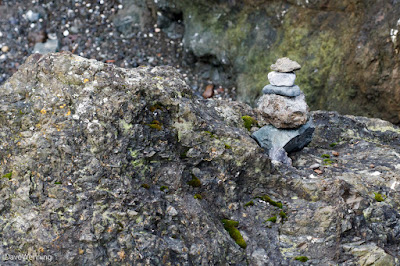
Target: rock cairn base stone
{"type": "Point", "coordinates": [284, 112]}
{"type": "Point", "coordinates": [290, 140]}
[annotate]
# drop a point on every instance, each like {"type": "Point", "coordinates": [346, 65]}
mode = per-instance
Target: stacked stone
{"type": "Point", "coordinates": [284, 105]}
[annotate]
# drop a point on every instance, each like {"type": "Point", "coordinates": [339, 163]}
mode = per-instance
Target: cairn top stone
{"type": "Point", "coordinates": [285, 65]}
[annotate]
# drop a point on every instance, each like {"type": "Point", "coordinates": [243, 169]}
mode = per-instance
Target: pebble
{"type": "Point", "coordinates": [335, 153]}
{"type": "Point", "coordinates": [315, 166]}
{"type": "Point", "coordinates": [292, 91]}
{"type": "Point", "coordinates": [32, 16]}
{"type": "Point", "coordinates": [208, 92]}
{"type": "Point", "coordinates": [285, 65]}
{"type": "Point", "coordinates": [5, 49]}
{"type": "Point", "coordinates": [281, 79]}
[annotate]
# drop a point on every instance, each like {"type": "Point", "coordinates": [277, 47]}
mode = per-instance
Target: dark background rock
{"type": "Point", "coordinates": [97, 162]}
{"type": "Point", "coordinates": [349, 50]}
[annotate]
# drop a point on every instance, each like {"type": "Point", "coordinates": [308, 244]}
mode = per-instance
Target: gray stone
{"type": "Point", "coordinates": [50, 46]}
{"type": "Point", "coordinates": [32, 16]}
{"type": "Point", "coordinates": [281, 79]}
{"type": "Point", "coordinates": [290, 140]}
{"type": "Point", "coordinates": [292, 91]}
{"type": "Point", "coordinates": [285, 65]}
{"type": "Point", "coordinates": [284, 112]}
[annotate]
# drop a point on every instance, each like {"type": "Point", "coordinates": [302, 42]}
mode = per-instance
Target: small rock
{"type": "Point", "coordinates": [320, 172]}
{"type": "Point", "coordinates": [281, 79]}
{"type": "Point", "coordinates": [209, 91]}
{"type": "Point", "coordinates": [32, 16]}
{"type": "Point", "coordinates": [371, 166]}
{"type": "Point", "coordinates": [292, 91]}
{"type": "Point", "coordinates": [285, 65]}
{"type": "Point", "coordinates": [5, 49]}
{"type": "Point", "coordinates": [284, 112]}
{"type": "Point", "coordinates": [335, 153]}
{"type": "Point", "coordinates": [50, 46]}
{"type": "Point", "coordinates": [315, 166]}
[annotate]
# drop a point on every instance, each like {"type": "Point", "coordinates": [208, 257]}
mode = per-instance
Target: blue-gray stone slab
{"type": "Point", "coordinates": [274, 139]}
{"type": "Point", "coordinates": [292, 91]}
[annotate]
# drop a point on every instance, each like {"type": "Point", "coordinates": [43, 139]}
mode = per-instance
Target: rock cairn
{"type": "Point", "coordinates": [284, 105]}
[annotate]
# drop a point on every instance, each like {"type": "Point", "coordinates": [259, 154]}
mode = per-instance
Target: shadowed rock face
{"type": "Point", "coordinates": [348, 49]}
{"type": "Point", "coordinates": [103, 165]}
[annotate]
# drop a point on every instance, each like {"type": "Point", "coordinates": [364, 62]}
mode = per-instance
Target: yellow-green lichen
{"type": "Point", "coordinates": [195, 182]}
{"type": "Point", "coordinates": [270, 201]}
{"type": "Point", "coordinates": [228, 147]}
{"type": "Point", "coordinates": [301, 258]}
{"type": "Point", "coordinates": [230, 227]}
{"type": "Point", "coordinates": [198, 196]}
{"type": "Point", "coordinates": [325, 156]}
{"type": "Point", "coordinates": [249, 122]}
{"type": "Point", "coordinates": [379, 197]}
{"type": "Point", "coordinates": [283, 215]}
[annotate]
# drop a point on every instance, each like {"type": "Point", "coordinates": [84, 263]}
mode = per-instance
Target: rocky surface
{"type": "Point", "coordinates": [112, 166]}
{"type": "Point", "coordinates": [282, 111]}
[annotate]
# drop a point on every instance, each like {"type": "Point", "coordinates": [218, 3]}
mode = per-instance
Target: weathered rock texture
{"type": "Point", "coordinates": [103, 165]}
{"type": "Point", "coordinates": [349, 49]}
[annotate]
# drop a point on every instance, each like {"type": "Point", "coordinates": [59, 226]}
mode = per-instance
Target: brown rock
{"type": "Point", "coordinates": [209, 91]}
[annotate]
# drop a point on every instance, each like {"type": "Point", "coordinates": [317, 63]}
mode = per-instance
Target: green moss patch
{"type": "Point", "coordinates": [301, 258]}
{"type": "Point", "coordinates": [195, 182]}
{"type": "Point", "coordinates": [230, 227]}
{"type": "Point", "coordinates": [333, 144]}
{"type": "Point", "coordinates": [250, 203]}
{"type": "Point", "coordinates": [326, 156]}
{"type": "Point", "coordinates": [283, 215]}
{"type": "Point", "coordinates": [8, 175]}
{"type": "Point", "coordinates": [198, 196]}
{"type": "Point", "coordinates": [270, 201]}
{"type": "Point", "coordinates": [272, 219]}
{"type": "Point", "coordinates": [249, 122]}
{"type": "Point", "coordinates": [57, 182]}
{"type": "Point", "coordinates": [228, 147]}
{"type": "Point", "coordinates": [162, 188]}
{"type": "Point", "coordinates": [156, 125]}
{"type": "Point", "coordinates": [146, 186]}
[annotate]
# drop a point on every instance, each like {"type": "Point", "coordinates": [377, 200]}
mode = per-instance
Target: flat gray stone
{"type": "Point", "coordinates": [292, 91]}
{"type": "Point", "coordinates": [290, 140]}
{"type": "Point", "coordinates": [285, 65]}
{"type": "Point", "coordinates": [281, 79]}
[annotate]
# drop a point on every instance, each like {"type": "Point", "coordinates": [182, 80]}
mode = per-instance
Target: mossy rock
{"type": "Point", "coordinates": [230, 227]}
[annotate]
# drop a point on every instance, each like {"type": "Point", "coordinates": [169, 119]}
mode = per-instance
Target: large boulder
{"type": "Point", "coordinates": [104, 165]}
